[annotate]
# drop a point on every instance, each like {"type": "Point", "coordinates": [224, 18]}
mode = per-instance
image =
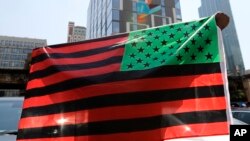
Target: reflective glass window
{"type": "Point", "coordinates": [2, 43]}
{"type": "Point", "coordinates": [134, 6]}
{"type": "Point", "coordinates": [116, 27]}
{"type": "Point", "coordinates": [163, 11]}
{"type": "Point", "coordinates": [109, 19]}
{"type": "Point", "coordinates": [134, 18]}
{"type": "Point", "coordinates": [109, 29]}
{"type": "Point", "coordinates": [163, 2]}
{"type": "Point", "coordinates": [116, 4]}
{"type": "Point", "coordinates": [177, 4]}
{"type": "Point", "coordinates": [116, 15]}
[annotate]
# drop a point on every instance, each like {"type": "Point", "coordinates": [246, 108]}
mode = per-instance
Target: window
{"type": "Point", "coordinates": [103, 31]}
{"type": "Point", "coordinates": [2, 50]}
{"type": "Point", "coordinates": [116, 27]}
{"type": "Point", "coordinates": [2, 43]}
{"type": "Point", "coordinates": [163, 11]}
{"type": "Point", "coordinates": [134, 6]}
{"type": "Point", "coordinates": [163, 2]}
{"type": "Point", "coordinates": [116, 4]}
{"type": "Point", "coordinates": [109, 8]}
{"type": "Point", "coordinates": [109, 19]}
{"type": "Point", "coordinates": [177, 4]}
{"type": "Point", "coordinates": [109, 29]}
{"type": "Point", "coordinates": [116, 14]}
{"type": "Point", "coordinates": [134, 18]}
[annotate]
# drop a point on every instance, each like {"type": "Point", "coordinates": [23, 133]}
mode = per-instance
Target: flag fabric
{"type": "Point", "coordinates": [149, 85]}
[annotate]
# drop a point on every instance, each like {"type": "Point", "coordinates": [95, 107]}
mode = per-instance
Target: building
{"type": "Point", "coordinates": [76, 33]}
{"type": "Point", "coordinates": [235, 65]}
{"type": "Point", "coordinates": [109, 17]}
{"type": "Point", "coordinates": [14, 54]}
{"type": "Point", "coordinates": [246, 83]}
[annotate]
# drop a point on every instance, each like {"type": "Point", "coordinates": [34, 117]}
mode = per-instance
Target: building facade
{"type": "Point", "coordinates": [14, 53]}
{"type": "Point", "coordinates": [235, 65]}
{"type": "Point", "coordinates": [76, 33]}
{"type": "Point", "coordinates": [109, 17]}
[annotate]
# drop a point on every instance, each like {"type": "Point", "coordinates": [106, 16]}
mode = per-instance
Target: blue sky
{"type": "Point", "coordinates": [48, 19]}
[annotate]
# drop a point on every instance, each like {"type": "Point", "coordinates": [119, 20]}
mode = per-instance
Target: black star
{"type": "Point", "coordinates": [193, 57]}
{"type": "Point", "coordinates": [132, 55]}
{"type": "Point", "coordinates": [170, 54]}
{"type": "Point", "coordinates": [130, 66]}
{"type": "Point", "coordinates": [139, 60]}
{"type": "Point", "coordinates": [155, 59]}
{"type": "Point", "coordinates": [156, 49]}
{"type": "Point", "coordinates": [202, 21]}
{"type": "Point", "coordinates": [186, 49]}
{"type": "Point", "coordinates": [142, 38]}
{"type": "Point", "coordinates": [208, 41]}
{"type": "Point", "coordinates": [179, 57]}
{"type": "Point", "coordinates": [134, 44]}
{"type": "Point", "coordinates": [186, 23]}
{"type": "Point", "coordinates": [140, 50]}
{"type": "Point", "coordinates": [163, 53]}
{"type": "Point", "coordinates": [136, 36]}
{"type": "Point", "coordinates": [149, 43]}
{"type": "Point", "coordinates": [206, 27]}
{"type": "Point", "coordinates": [164, 42]}
{"type": "Point", "coordinates": [171, 47]}
{"type": "Point", "coordinates": [164, 32]}
{"type": "Point", "coordinates": [171, 26]}
{"type": "Point", "coordinates": [150, 34]}
{"type": "Point", "coordinates": [186, 34]}
{"type": "Point", "coordinates": [171, 35]}
{"type": "Point", "coordinates": [144, 31]}
{"type": "Point", "coordinates": [178, 41]}
{"type": "Point", "coordinates": [163, 61]}
{"type": "Point", "coordinates": [200, 49]}
{"type": "Point", "coordinates": [193, 27]}
{"type": "Point", "coordinates": [148, 55]}
{"type": "Point", "coordinates": [209, 56]}
{"type": "Point", "coordinates": [157, 29]}
{"type": "Point", "coordinates": [179, 29]}
{"type": "Point", "coordinates": [200, 34]}
{"type": "Point", "coordinates": [193, 41]}
{"type": "Point", "coordinates": [146, 65]}
{"type": "Point", "coordinates": [157, 37]}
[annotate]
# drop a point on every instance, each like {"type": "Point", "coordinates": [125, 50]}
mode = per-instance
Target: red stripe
{"type": "Point", "coordinates": [68, 48]}
{"type": "Point", "coordinates": [66, 61]}
{"type": "Point", "coordinates": [125, 112]}
{"type": "Point", "coordinates": [125, 87]}
{"type": "Point", "coordinates": [56, 78]}
{"type": "Point", "coordinates": [183, 131]}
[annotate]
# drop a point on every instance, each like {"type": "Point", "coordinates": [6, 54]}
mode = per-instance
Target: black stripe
{"type": "Point", "coordinates": [163, 71]}
{"type": "Point", "coordinates": [124, 126]}
{"type": "Point", "coordinates": [59, 68]}
{"type": "Point", "coordinates": [132, 98]}
{"type": "Point", "coordinates": [119, 35]}
{"type": "Point", "coordinates": [45, 56]}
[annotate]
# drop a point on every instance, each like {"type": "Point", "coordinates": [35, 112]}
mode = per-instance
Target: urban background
{"type": "Point", "coordinates": [100, 18]}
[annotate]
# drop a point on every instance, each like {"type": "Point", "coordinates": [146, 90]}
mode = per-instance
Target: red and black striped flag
{"type": "Point", "coordinates": [148, 85]}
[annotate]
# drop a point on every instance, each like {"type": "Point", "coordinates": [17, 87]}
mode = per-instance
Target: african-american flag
{"type": "Point", "coordinates": [149, 85]}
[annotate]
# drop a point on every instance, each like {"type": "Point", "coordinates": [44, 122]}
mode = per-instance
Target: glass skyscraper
{"type": "Point", "coordinates": [109, 17]}
{"type": "Point", "coordinates": [235, 65]}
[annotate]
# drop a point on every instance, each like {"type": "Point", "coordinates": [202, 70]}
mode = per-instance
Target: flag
{"type": "Point", "coordinates": [148, 85]}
